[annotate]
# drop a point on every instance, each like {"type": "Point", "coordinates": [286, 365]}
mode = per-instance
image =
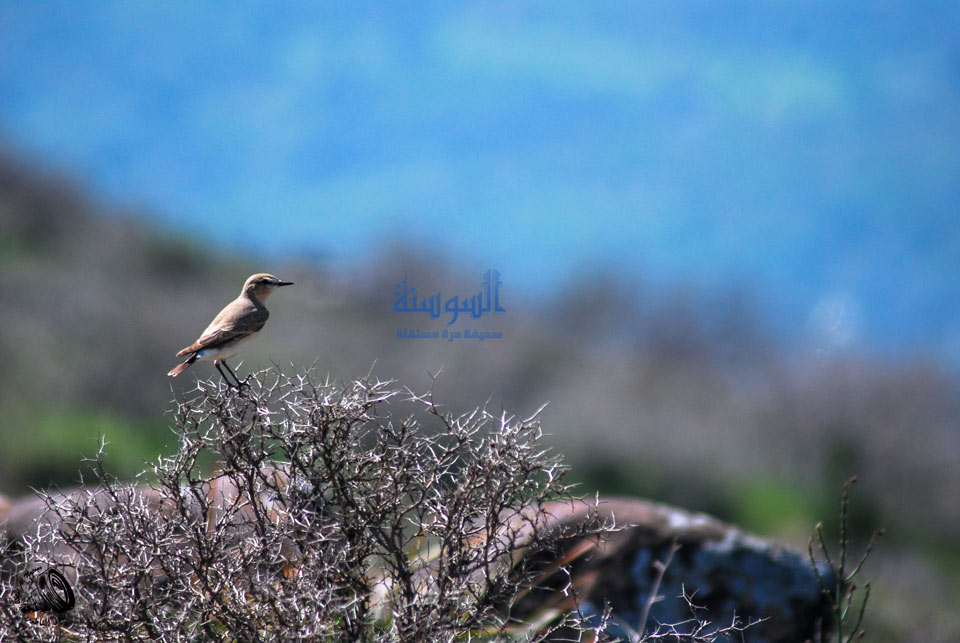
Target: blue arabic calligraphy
{"type": "Point", "coordinates": [487, 300]}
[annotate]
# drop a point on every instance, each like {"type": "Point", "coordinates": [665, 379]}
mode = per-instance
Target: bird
{"type": "Point", "coordinates": [233, 327]}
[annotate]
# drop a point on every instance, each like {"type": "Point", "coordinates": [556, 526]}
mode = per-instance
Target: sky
{"type": "Point", "coordinates": [808, 152]}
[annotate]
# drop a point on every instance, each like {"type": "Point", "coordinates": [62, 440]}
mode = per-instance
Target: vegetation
{"type": "Point", "coordinates": [357, 512]}
{"type": "Point", "coordinates": [844, 593]}
{"type": "Point", "coordinates": [327, 518]}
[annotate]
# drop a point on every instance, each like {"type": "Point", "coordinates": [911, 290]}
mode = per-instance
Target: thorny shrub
{"type": "Point", "coordinates": [298, 508]}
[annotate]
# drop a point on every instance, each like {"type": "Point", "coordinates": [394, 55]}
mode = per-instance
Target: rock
{"type": "Point", "coordinates": [724, 571]}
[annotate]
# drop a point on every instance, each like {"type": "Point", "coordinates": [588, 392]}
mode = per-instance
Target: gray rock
{"type": "Point", "coordinates": [724, 571]}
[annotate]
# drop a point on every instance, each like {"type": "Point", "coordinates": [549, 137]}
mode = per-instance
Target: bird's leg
{"type": "Point", "coordinates": [237, 379]}
{"type": "Point", "coordinates": [223, 375]}
{"type": "Point", "coordinates": [226, 379]}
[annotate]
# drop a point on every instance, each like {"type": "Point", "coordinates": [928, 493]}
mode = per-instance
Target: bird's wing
{"type": "Point", "coordinates": [239, 319]}
{"type": "Point", "coordinates": [212, 340]}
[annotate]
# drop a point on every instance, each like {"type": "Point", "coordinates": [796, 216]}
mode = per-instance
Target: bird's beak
{"type": "Point", "coordinates": [284, 283]}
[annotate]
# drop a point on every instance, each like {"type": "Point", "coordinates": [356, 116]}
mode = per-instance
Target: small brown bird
{"type": "Point", "coordinates": [236, 324]}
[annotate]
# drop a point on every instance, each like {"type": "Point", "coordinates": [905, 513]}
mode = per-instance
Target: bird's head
{"type": "Point", "coordinates": [262, 284]}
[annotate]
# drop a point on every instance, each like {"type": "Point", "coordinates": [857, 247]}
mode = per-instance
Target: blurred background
{"type": "Point", "coordinates": [727, 236]}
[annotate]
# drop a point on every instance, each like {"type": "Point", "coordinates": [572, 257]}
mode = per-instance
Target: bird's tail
{"type": "Point", "coordinates": [182, 367]}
